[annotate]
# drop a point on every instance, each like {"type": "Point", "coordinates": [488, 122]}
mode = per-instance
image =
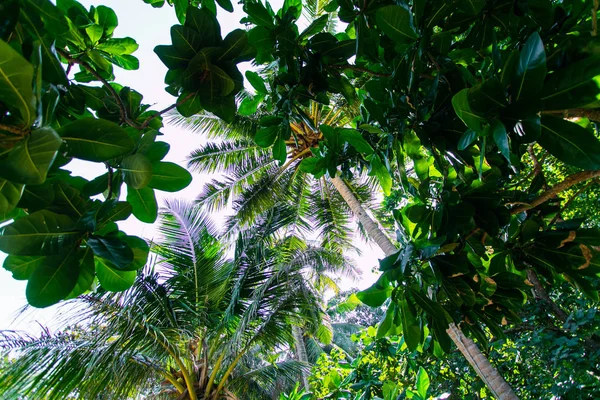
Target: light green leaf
{"type": "Point", "coordinates": [94, 32]}
{"type": "Point", "coordinates": [396, 22]}
{"type": "Point", "coordinates": [169, 177]}
{"type": "Point", "coordinates": [40, 233]}
{"type": "Point", "coordinates": [143, 204]}
{"type": "Point", "coordinates": [379, 170]}
{"type": "Point", "coordinates": [111, 278]}
{"type": "Point", "coordinates": [422, 382]}
{"type": "Point", "coordinates": [29, 161]}
{"type": "Point", "coordinates": [16, 78]}
{"type": "Point", "coordinates": [377, 294]}
{"type": "Point", "coordinates": [570, 143]}
{"type": "Point", "coordinates": [96, 139]}
{"type": "Point", "coordinates": [118, 47]}
{"type": "Point", "coordinates": [138, 170]}
{"type": "Point", "coordinates": [256, 81]}
{"type": "Point", "coordinates": [53, 279]}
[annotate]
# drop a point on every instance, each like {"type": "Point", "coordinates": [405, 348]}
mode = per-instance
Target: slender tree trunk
{"type": "Point", "coordinates": [301, 353]}
{"type": "Point", "coordinates": [488, 374]}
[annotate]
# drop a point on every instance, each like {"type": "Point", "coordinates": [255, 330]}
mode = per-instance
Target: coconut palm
{"type": "Point", "coordinates": [197, 321]}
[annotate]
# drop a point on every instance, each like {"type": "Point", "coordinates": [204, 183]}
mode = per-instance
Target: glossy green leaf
{"type": "Point", "coordinates": [530, 71]}
{"type": "Point", "coordinates": [379, 170]}
{"type": "Point", "coordinates": [576, 85]}
{"type": "Point", "coordinates": [570, 143]}
{"type": "Point", "coordinates": [171, 57]}
{"type": "Point", "coordinates": [411, 328]}
{"type": "Point", "coordinates": [106, 18]}
{"type": "Point", "coordinates": [143, 204]}
{"type": "Point", "coordinates": [169, 177]}
{"type": "Point", "coordinates": [22, 267]}
{"type": "Point", "coordinates": [96, 139]}
{"type": "Point", "coordinates": [137, 169]}
{"type": "Point", "coordinates": [250, 105]}
{"type": "Point", "coordinates": [191, 106]}
{"type": "Point", "coordinates": [54, 20]}
{"type": "Point", "coordinates": [280, 150]}
{"type": "Point", "coordinates": [111, 278]}
{"type": "Point", "coordinates": [500, 138]}
{"type": "Point", "coordinates": [463, 109]}
{"type": "Point", "coordinates": [422, 382]}
{"type": "Point", "coordinates": [156, 151]}
{"type": "Point", "coordinates": [53, 279]}
{"type": "Point", "coordinates": [206, 24]}
{"type": "Point", "coordinates": [396, 22]}
{"type": "Point", "coordinates": [467, 139]}
{"type": "Point", "coordinates": [10, 194]}
{"type": "Point", "coordinates": [355, 138]}
{"type": "Point", "coordinates": [30, 160]}
{"type": "Point", "coordinates": [258, 14]}
{"type": "Point", "coordinates": [118, 46]}
{"type": "Point", "coordinates": [186, 41]}
{"type": "Point", "coordinates": [233, 45]}
{"type": "Point", "coordinates": [225, 5]}
{"type": "Point", "coordinates": [377, 294]}
{"type": "Point", "coordinates": [16, 79]}
{"type": "Point", "coordinates": [265, 137]}
{"type": "Point", "coordinates": [40, 233]}
{"type": "Point", "coordinates": [87, 273]}
{"type": "Point", "coordinates": [112, 249]}
{"type": "Point", "coordinates": [256, 81]}
{"type": "Point", "coordinates": [140, 252]}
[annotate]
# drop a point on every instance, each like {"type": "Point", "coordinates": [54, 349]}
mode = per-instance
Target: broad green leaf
{"type": "Point", "coordinates": [16, 79]}
{"type": "Point", "coordinates": [29, 161]}
{"type": "Point", "coordinates": [315, 27]}
{"type": "Point", "coordinates": [22, 267]}
{"type": "Point", "coordinates": [377, 294]}
{"type": "Point", "coordinates": [570, 143]}
{"type": "Point", "coordinates": [387, 322]}
{"type": "Point", "coordinates": [94, 32]}
{"type": "Point", "coordinates": [171, 57]}
{"type": "Point", "coordinates": [40, 233]}
{"type": "Point", "coordinates": [111, 248]}
{"type": "Point", "coordinates": [379, 170]}
{"type": "Point", "coordinates": [49, 102]}
{"type": "Point", "coordinates": [206, 24]}
{"type": "Point", "coordinates": [53, 279]}
{"type": "Point", "coordinates": [106, 18]}
{"type": "Point", "coordinates": [461, 105]}
{"type": "Point", "coordinates": [530, 71]}
{"type": "Point", "coordinates": [500, 138]}
{"type": "Point", "coordinates": [54, 20]}
{"type": "Point", "coordinates": [250, 105]}
{"type": "Point", "coordinates": [10, 194]}
{"type": "Point", "coordinates": [467, 139]}
{"type": "Point", "coordinates": [96, 139]}
{"type": "Point", "coordinates": [256, 81]}
{"type": "Point", "coordinates": [411, 328]}
{"type": "Point", "coordinates": [67, 200]}
{"type": "Point", "coordinates": [422, 382]}
{"type": "Point", "coordinates": [111, 278]}
{"type": "Point", "coordinates": [225, 5]}
{"type": "Point", "coordinates": [258, 14]}
{"type": "Point", "coordinates": [280, 150]}
{"type": "Point", "coordinates": [396, 22]}
{"type": "Point", "coordinates": [52, 69]}
{"type": "Point", "coordinates": [138, 170]}
{"type": "Point", "coordinates": [576, 85]}
{"type": "Point", "coordinates": [140, 252]}
{"type": "Point", "coordinates": [186, 41]}
{"type": "Point", "coordinates": [470, 7]}
{"type": "Point", "coordinates": [87, 272]}
{"type": "Point", "coordinates": [265, 137]}
{"type": "Point", "coordinates": [222, 106]}
{"type": "Point", "coordinates": [191, 106]}
{"type": "Point", "coordinates": [143, 204]}
{"type": "Point", "coordinates": [355, 138]}
{"type": "Point", "coordinates": [169, 177]}
{"type": "Point", "coordinates": [156, 151]}
{"type": "Point", "coordinates": [118, 46]}
{"type": "Point", "coordinates": [233, 45]}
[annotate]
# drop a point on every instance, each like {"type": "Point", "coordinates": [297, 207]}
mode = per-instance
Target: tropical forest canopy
{"type": "Point", "coordinates": [476, 120]}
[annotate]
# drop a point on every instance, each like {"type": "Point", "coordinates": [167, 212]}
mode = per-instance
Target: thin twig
{"type": "Point", "coordinates": [589, 113]}
{"type": "Point", "coordinates": [161, 112]}
{"type": "Point", "coordinates": [537, 167]}
{"type": "Point", "coordinates": [595, 18]}
{"type": "Point", "coordinates": [568, 203]}
{"type": "Point", "coordinates": [113, 92]}
{"type": "Point", "coordinates": [556, 189]}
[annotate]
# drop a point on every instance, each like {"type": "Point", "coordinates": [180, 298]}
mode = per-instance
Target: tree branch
{"type": "Point", "coordinates": [537, 167]}
{"type": "Point", "coordinates": [113, 92]}
{"type": "Point", "coordinates": [556, 189]}
{"type": "Point", "coordinates": [568, 203]}
{"type": "Point", "coordinates": [592, 114]}
{"type": "Point", "coordinates": [13, 130]}
{"type": "Point", "coordinates": [595, 18]}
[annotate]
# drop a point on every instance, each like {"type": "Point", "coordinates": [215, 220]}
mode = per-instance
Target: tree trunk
{"type": "Point", "coordinates": [488, 374]}
{"type": "Point", "coordinates": [301, 353]}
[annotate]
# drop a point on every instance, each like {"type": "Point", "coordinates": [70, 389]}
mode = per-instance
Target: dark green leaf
{"type": "Point", "coordinates": [463, 109]}
{"type": "Point", "coordinates": [396, 22]}
{"type": "Point", "coordinates": [53, 279]}
{"type": "Point", "coordinates": [225, 5]}
{"type": "Point", "coordinates": [530, 72]}
{"type": "Point", "coordinates": [96, 139]}
{"type": "Point", "coordinates": [411, 328]}
{"type": "Point", "coordinates": [467, 139]}
{"type": "Point", "coordinates": [112, 249]}
{"type": "Point", "coordinates": [265, 137]}
{"type": "Point", "coordinates": [186, 41]}
{"type": "Point", "coordinates": [206, 24]}
{"type": "Point", "coordinates": [30, 160]}
{"type": "Point", "coordinates": [85, 279]}
{"type": "Point", "coordinates": [22, 267]}
{"type": "Point", "coordinates": [258, 14]}
{"type": "Point", "coordinates": [256, 81]}
{"type": "Point", "coordinates": [171, 57]}
{"type": "Point", "coordinates": [54, 20]}
{"type": "Point", "coordinates": [16, 78]}
{"type": "Point", "coordinates": [233, 45]}
{"type": "Point", "coordinates": [169, 177]}
{"type": "Point", "coordinates": [10, 194]}
{"type": "Point", "coordinates": [576, 85]}
{"type": "Point", "coordinates": [500, 138]}
{"type": "Point", "coordinates": [357, 141]}
{"type": "Point", "coordinates": [570, 143]}
{"type": "Point", "coordinates": [140, 252]}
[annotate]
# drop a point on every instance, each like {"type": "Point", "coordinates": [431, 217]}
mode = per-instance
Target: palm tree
{"type": "Point", "coordinates": [197, 321]}
{"type": "Point", "coordinates": [253, 183]}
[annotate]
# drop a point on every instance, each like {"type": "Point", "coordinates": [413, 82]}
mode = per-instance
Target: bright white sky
{"type": "Point", "coordinates": [149, 27]}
